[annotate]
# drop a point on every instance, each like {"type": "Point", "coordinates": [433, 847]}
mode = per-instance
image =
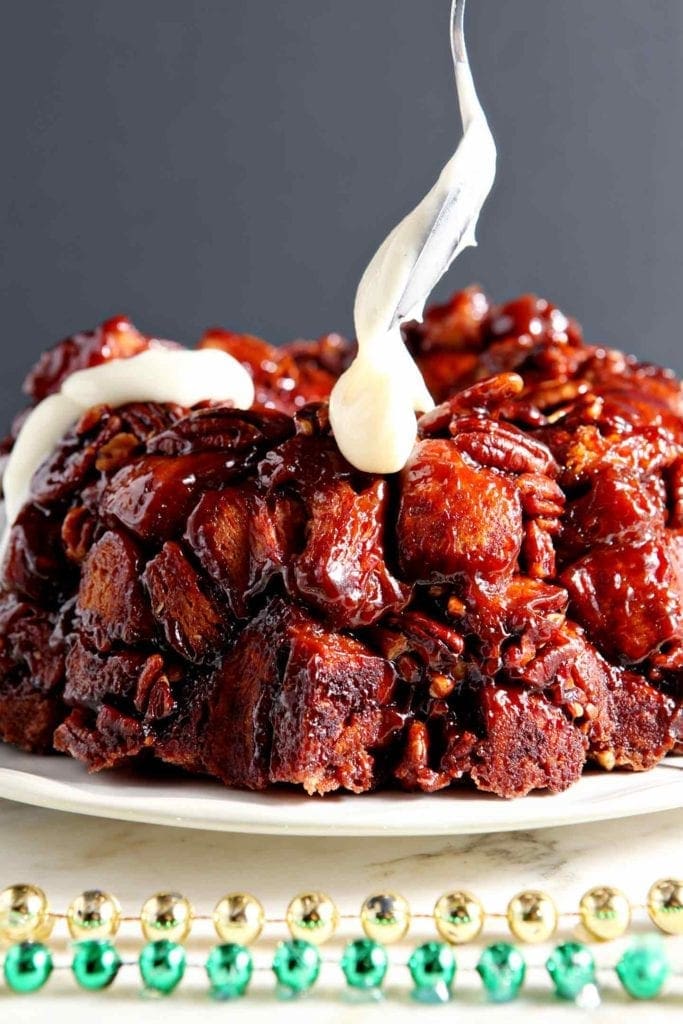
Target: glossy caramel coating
{"type": "Point", "coordinates": [221, 591]}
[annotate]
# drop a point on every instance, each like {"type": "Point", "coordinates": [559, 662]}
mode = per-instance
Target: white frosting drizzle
{"type": "Point", "coordinates": [176, 376]}
{"type": "Point", "coordinates": [39, 434]}
{"type": "Point", "coordinates": [373, 404]}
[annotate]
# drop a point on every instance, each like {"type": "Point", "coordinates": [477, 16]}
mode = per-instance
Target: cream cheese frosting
{"type": "Point", "coordinates": [373, 405]}
{"type": "Point", "coordinates": [177, 376]}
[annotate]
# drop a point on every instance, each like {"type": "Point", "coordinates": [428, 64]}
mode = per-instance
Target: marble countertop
{"type": "Point", "coordinates": [68, 853]}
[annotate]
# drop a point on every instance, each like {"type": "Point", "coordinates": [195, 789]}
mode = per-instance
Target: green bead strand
{"type": "Point", "coordinates": [296, 965]}
{"type": "Point", "coordinates": [27, 967]}
{"type": "Point", "coordinates": [502, 970]}
{"type": "Point", "coordinates": [229, 968]}
{"type": "Point", "coordinates": [432, 965]}
{"type": "Point", "coordinates": [571, 967]}
{"type": "Point", "coordinates": [643, 969]}
{"type": "Point", "coordinates": [162, 966]}
{"type": "Point", "coordinates": [95, 964]}
{"type": "Point", "coordinates": [364, 964]}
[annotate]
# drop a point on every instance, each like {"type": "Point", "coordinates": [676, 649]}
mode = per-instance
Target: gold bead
{"type": "Point", "coordinates": [532, 916]}
{"type": "Point", "coordinates": [312, 916]}
{"type": "Point", "coordinates": [459, 917]}
{"type": "Point", "coordinates": [24, 914]}
{"type": "Point", "coordinates": [166, 915]}
{"type": "Point", "coordinates": [665, 905]}
{"type": "Point", "coordinates": [605, 912]}
{"type": "Point", "coordinates": [385, 917]}
{"type": "Point", "coordinates": [93, 915]}
{"type": "Point", "coordinates": [238, 918]}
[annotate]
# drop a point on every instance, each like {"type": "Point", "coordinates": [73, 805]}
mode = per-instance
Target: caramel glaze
{"type": "Point", "coordinates": [221, 591]}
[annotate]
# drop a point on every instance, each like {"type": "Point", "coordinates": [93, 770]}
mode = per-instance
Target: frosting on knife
{"type": "Point", "coordinates": [373, 405]}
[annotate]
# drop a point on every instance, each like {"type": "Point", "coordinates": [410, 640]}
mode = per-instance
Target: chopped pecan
{"type": "Point", "coordinates": [78, 531]}
{"type": "Point", "coordinates": [501, 446]}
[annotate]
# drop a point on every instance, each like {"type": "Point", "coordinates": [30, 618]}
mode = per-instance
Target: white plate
{"type": "Point", "coordinates": [64, 785]}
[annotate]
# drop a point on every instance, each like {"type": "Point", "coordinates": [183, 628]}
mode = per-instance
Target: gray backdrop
{"type": "Point", "coordinates": [193, 162]}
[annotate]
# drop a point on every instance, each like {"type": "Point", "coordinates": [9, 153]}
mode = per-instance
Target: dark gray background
{"type": "Point", "coordinates": [192, 162]}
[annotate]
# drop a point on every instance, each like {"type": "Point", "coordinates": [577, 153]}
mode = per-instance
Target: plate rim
{"type": "Point", "coordinates": [282, 813]}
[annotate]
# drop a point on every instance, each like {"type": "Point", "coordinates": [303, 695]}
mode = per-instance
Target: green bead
{"type": "Point", "coordinates": [95, 963]}
{"type": "Point", "coordinates": [502, 970]}
{"type": "Point", "coordinates": [229, 968]}
{"type": "Point", "coordinates": [296, 965]}
{"type": "Point", "coordinates": [432, 964]}
{"type": "Point", "coordinates": [643, 969]}
{"type": "Point", "coordinates": [364, 964]}
{"type": "Point", "coordinates": [162, 965]}
{"type": "Point", "coordinates": [571, 967]}
{"type": "Point", "coordinates": [28, 965]}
